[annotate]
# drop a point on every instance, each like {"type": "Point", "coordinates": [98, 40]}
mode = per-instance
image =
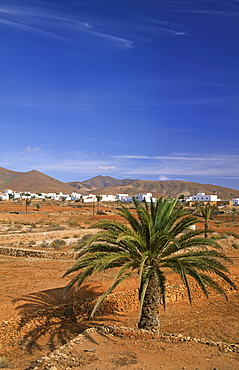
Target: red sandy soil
{"type": "Point", "coordinates": [28, 285]}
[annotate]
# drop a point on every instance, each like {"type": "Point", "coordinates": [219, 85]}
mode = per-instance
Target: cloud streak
{"type": "Point", "coordinates": [55, 26]}
{"type": "Point", "coordinates": [90, 164]}
{"type": "Point", "coordinates": [227, 8]}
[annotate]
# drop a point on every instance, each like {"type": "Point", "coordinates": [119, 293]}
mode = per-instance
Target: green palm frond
{"type": "Point", "coordinates": [134, 240]}
{"type": "Point", "coordinates": [161, 280]}
{"type": "Point", "coordinates": [142, 268]}
{"type": "Point", "coordinates": [111, 288]}
{"type": "Point", "coordinates": [119, 278]}
{"type": "Point", "coordinates": [78, 278]}
{"type": "Point", "coordinates": [154, 238]}
{"type": "Point", "coordinates": [130, 218]}
{"type": "Point", "coordinates": [144, 282]}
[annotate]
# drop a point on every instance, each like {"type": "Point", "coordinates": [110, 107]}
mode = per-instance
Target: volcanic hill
{"type": "Point", "coordinates": [37, 182]}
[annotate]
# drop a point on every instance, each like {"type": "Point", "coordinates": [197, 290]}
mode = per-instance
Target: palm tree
{"type": "Point", "coordinates": [98, 198]}
{"type": "Point", "coordinates": [206, 212]}
{"type": "Point", "coordinates": [152, 240]}
{"type": "Point", "coordinates": [234, 212]}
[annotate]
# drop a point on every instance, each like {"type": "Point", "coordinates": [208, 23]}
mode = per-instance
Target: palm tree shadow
{"type": "Point", "coordinates": [49, 319]}
{"type": "Point", "coordinates": [48, 299]}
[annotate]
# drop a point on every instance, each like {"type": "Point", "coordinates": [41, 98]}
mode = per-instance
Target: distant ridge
{"type": "Point", "coordinates": [37, 182]}
{"type": "Point", "coordinates": [157, 188]}
{"type": "Point", "coordinates": [33, 181]}
{"type": "Point", "coordinates": [99, 182]}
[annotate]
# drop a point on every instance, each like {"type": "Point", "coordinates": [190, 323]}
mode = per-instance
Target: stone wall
{"type": "Point", "coordinates": [22, 252]}
{"type": "Point", "coordinates": [22, 330]}
{"type": "Point", "coordinates": [64, 355]}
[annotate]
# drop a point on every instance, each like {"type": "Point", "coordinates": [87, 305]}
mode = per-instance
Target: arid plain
{"type": "Point", "coordinates": [30, 284]}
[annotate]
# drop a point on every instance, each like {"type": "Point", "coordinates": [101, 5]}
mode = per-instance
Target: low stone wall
{"type": "Point", "coordinates": [18, 252]}
{"type": "Point", "coordinates": [22, 330]}
{"type": "Point", "coordinates": [38, 236]}
{"type": "Point", "coordinates": [63, 355]}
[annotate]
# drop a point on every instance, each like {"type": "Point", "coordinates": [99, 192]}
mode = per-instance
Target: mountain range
{"type": "Point", "coordinates": [38, 182]}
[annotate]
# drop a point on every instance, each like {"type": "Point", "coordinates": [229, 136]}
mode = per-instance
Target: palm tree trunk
{"type": "Point", "coordinates": [206, 229]}
{"type": "Point", "coordinates": [149, 319]}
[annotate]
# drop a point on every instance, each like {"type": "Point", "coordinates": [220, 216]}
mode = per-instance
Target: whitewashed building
{"type": "Point", "coordinates": [75, 196]}
{"type": "Point", "coordinates": [107, 198]}
{"type": "Point", "coordinates": [235, 201]}
{"type": "Point", "coordinates": [141, 197]}
{"type": "Point", "coordinates": [202, 197]}
{"type": "Point", "coordinates": [89, 198]}
{"type": "Point", "coordinates": [6, 194]}
{"type": "Point", "coordinates": [121, 197]}
{"type": "Point", "coordinates": [127, 200]}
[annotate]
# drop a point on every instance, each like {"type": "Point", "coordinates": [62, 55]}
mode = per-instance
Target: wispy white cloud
{"type": "Point", "coordinates": [163, 178]}
{"type": "Point", "coordinates": [106, 168]}
{"type": "Point", "coordinates": [30, 149]}
{"type": "Point", "coordinates": [78, 163]}
{"type": "Point", "coordinates": [163, 28]}
{"type": "Point", "coordinates": [225, 8]}
{"type": "Point", "coordinates": [171, 158]}
{"type": "Point", "coordinates": [51, 24]}
{"type": "Point", "coordinates": [29, 28]}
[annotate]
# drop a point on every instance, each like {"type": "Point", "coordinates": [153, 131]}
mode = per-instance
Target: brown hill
{"type": "Point", "coordinates": [6, 175]}
{"type": "Point", "coordinates": [33, 181]}
{"type": "Point", "coordinates": [169, 188]}
{"type": "Point", "coordinates": [99, 182]}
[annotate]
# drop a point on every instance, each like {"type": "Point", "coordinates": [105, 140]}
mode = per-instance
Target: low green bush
{"type": "Point", "coordinates": [57, 244]}
{"type": "Point", "coordinates": [224, 236]}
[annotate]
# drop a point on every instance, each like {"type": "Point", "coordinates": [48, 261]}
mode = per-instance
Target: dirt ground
{"type": "Point", "coordinates": [29, 284]}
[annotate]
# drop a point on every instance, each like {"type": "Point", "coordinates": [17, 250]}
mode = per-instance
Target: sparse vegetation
{"type": "Point", "coordinates": [206, 212]}
{"type": "Point", "coordinates": [150, 242]}
{"type": "Point", "coordinates": [48, 274]}
{"type": "Point", "coordinates": [32, 242]}
{"type": "Point", "coordinates": [55, 227]}
{"type": "Point", "coordinates": [57, 244]}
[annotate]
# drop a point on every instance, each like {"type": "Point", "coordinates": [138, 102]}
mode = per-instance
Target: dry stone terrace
{"type": "Point", "coordinates": [31, 293]}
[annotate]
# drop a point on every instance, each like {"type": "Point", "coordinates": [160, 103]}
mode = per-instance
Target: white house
{"type": "Point", "coordinates": [141, 197]}
{"type": "Point", "coordinates": [75, 196]}
{"type": "Point", "coordinates": [107, 198]}
{"type": "Point", "coordinates": [235, 201]}
{"type": "Point", "coordinates": [6, 194]}
{"type": "Point", "coordinates": [127, 200]}
{"type": "Point", "coordinates": [202, 197]}
{"type": "Point", "coordinates": [89, 198]}
{"type": "Point", "coordinates": [121, 197]}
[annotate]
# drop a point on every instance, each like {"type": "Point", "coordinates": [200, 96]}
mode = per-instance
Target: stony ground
{"type": "Point", "coordinates": [28, 285]}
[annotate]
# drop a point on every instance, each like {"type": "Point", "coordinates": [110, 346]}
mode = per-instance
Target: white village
{"type": "Point", "coordinates": [89, 198]}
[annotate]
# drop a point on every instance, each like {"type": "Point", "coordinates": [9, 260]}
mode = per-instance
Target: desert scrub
{"type": "Point", "coordinates": [44, 245]}
{"type": "Point", "coordinates": [57, 243]}
{"type": "Point", "coordinates": [82, 240]}
{"type": "Point", "coordinates": [231, 233]}
{"type": "Point", "coordinates": [224, 236]}
{"type": "Point", "coordinates": [216, 237]}
{"type": "Point", "coordinates": [55, 228]}
{"type": "Point", "coordinates": [31, 243]}
{"type": "Point", "coordinates": [74, 222]}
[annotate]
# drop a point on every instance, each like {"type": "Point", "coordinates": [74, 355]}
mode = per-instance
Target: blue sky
{"type": "Point", "coordinates": [143, 89]}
